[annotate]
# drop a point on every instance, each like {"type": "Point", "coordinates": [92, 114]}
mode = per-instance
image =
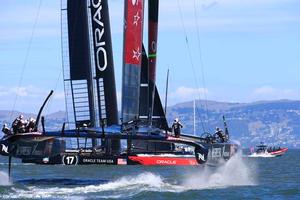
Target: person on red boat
{"type": "Point", "coordinates": [177, 127]}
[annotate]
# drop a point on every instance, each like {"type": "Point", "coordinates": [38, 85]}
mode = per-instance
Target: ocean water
{"type": "Point", "coordinates": [239, 178]}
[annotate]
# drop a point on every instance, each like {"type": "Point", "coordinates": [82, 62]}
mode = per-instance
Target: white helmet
{"type": "Point", "coordinates": [31, 119]}
{"type": "Point", "coordinates": [176, 120]}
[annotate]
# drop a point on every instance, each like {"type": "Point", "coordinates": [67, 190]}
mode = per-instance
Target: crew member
{"type": "Point", "coordinates": [220, 134]}
{"type": "Point", "coordinates": [6, 130]}
{"type": "Point", "coordinates": [30, 125]}
{"type": "Point", "coordinates": [177, 127]}
{"type": "Point", "coordinates": [19, 125]}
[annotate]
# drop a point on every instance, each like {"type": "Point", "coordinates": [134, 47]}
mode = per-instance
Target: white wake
{"type": "Point", "coordinates": [233, 173]}
{"type": "Point", "coordinates": [4, 179]}
{"type": "Point", "coordinates": [123, 187]}
{"type": "Point", "coordinates": [261, 156]}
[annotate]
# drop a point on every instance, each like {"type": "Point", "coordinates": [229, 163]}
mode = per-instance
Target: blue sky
{"type": "Point", "coordinates": [249, 50]}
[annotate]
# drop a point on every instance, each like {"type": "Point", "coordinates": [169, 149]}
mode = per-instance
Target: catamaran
{"type": "Point", "coordinates": [93, 133]}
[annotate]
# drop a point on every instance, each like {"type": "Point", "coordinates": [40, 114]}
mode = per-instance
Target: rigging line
{"type": "Point", "coordinates": [189, 54]}
{"type": "Point", "coordinates": [26, 58]}
{"type": "Point", "coordinates": [201, 58]}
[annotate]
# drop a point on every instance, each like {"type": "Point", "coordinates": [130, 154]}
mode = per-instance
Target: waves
{"type": "Point", "coordinates": [124, 187]}
{"type": "Point", "coordinates": [231, 174]}
{"type": "Point", "coordinates": [4, 179]}
{"type": "Point", "coordinates": [57, 181]}
{"type": "Point", "coordinates": [234, 172]}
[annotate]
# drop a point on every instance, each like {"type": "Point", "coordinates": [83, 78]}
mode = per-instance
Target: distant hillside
{"type": "Point", "coordinates": [273, 122]}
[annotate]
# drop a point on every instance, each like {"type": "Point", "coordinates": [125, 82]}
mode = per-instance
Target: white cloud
{"type": "Point", "coordinates": [28, 98]}
{"type": "Point", "coordinates": [25, 91]}
{"type": "Point", "coordinates": [271, 93]}
{"type": "Point", "coordinates": [182, 94]}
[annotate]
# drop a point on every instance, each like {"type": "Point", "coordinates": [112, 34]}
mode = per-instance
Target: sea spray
{"type": "Point", "coordinates": [4, 179]}
{"type": "Point", "coordinates": [123, 187]}
{"type": "Point", "coordinates": [234, 172]}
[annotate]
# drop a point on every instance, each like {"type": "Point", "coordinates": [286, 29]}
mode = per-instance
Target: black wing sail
{"type": "Point", "coordinates": [102, 55]}
{"type": "Point", "coordinates": [103, 70]}
{"type": "Point", "coordinates": [158, 116]}
{"type": "Point", "coordinates": [88, 63]}
{"type": "Point", "coordinates": [76, 63]}
{"type": "Point", "coordinates": [144, 89]}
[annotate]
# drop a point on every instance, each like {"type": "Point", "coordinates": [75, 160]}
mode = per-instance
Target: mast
{"type": "Point", "coordinates": [132, 58]}
{"type": "Point", "coordinates": [167, 88]}
{"type": "Point", "coordinates": [194, 106]}
{"type": "Point", "coordinates": [152, 49]}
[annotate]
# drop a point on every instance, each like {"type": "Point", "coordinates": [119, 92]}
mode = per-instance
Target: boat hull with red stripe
{"type": "Point", "coordinates": [162, 160]}
{"type": "Point", "coordinates": [279, 152]}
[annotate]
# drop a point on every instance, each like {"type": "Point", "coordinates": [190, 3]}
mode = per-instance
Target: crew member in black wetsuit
{"type": "Point", "coordinates": [177, 128]}
{"type": "Point", "coordinates": [6, 130]}
{"type": "Point", "coordinates": [220, 134]}
{"type": "Point", "coordinates": [30, 125]}
{"type": "Point", "coordinates": [19, 124]}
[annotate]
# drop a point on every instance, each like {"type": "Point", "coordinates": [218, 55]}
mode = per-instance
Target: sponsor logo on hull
{"type": "Point", "coordinates": [162, 161]}
{"type": "Point", "coordinates": [97, 161]}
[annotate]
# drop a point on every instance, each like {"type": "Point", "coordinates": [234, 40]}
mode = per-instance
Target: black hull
{"type": "Point", "coordinates": [217, 153]}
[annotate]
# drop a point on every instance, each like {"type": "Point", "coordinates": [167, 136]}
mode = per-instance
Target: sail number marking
{"type": "Point", "coordinates": [70, 160]}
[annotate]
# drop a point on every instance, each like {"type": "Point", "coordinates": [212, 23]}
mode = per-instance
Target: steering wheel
{"type": "Point", "coordinates": [207, 137]}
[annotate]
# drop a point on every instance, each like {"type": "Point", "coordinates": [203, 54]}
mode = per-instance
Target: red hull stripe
{"type": "Point", "coordinates": [156, 160]}
{"type": "Point", "coordinates": [281, 151]}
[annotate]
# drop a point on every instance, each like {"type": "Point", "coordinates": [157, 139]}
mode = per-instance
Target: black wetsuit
{"type": "Point", "coordinates": [177, 128]}
{"type": "Point", "coordinates": [220, 134]}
